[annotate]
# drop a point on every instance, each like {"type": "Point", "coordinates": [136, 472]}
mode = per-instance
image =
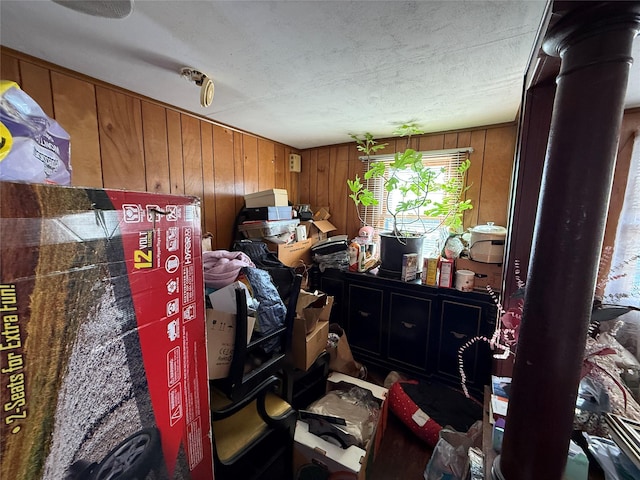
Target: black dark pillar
{"type": "Point", "coordinates": [594, 42]}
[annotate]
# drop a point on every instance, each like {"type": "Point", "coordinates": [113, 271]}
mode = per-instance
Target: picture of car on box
{"type": "Point", "coordinates": [133, 458]}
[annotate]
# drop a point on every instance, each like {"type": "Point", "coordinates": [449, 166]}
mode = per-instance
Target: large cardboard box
{"type": "Point", "coordinates": [292, 254]}
{"type": "Point", "coordinates": [221, 334]}
{"type": "Point", "coordinates": [485, 274]}
{"type": "Point", "coordinates": [354, 461]}
{"type": "Point", "coordinates": [103, 337]}
{"type": "Point", "coordinates": [276, 197]}
{"type": "Point", "coordinates": [305, 348]}
{"type": "Point", "coordinates": [221, 328]}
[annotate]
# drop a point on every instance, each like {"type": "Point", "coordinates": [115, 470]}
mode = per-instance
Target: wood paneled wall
{"type": "Point", "coordinates": [325, 170]}
{"type": "Point", "coordinates": [122, 140]}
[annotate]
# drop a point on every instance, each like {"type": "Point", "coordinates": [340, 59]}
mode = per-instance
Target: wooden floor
{"type": "Point", "coordinates": [402, 455]}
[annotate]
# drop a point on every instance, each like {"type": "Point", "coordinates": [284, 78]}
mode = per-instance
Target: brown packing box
{"type": "Point", "coordinates": [322, 214]}
{"type": "Point", "coordinates": [221, 333]}
{"type": "Point", "coordinates": [275, 197]}
{"type": "Point", "coordinates": [306, 348]}
{"type": "Point", "coordinates": [318, 229]}
{"type": "Point", "coordinates": [352, 462]}
{"type": "Point", "coordinates": [485, 273]}
{"type": "Point", "coordinates": [292, 254]}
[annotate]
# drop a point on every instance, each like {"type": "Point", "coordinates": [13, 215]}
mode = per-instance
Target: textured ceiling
{"type": "Point", "coordinates": [304, 73]}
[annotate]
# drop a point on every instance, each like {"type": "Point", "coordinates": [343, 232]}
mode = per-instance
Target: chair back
{"type": "Point", "coordinates": [256, 361]}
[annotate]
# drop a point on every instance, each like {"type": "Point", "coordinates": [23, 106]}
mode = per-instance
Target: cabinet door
{"type": "Point", "coordinates": [334, 287]}
{"type": "Point", "coordinates": [409, 318]}
{"type": "Point", "coordinates": [460, 321]}
{"type": "Point", "coordinates": [364, 322]}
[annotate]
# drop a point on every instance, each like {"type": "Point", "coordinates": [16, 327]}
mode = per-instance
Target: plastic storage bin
{"type": "Point", "coordinates": [267, 228]}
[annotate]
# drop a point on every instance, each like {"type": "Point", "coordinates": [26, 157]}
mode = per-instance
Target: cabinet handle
{"type": "Point", "coordinates": [408, 325]}
{"type": "Point", "coordinates": [458, 335]}
{"type": "Point", "coordinates": [364, 314]}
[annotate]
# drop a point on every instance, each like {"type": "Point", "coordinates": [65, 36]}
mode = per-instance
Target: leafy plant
{"type": "Point", "coordinates": [414, 182]}
{"type": "Point", "coordinates": [367, 145]}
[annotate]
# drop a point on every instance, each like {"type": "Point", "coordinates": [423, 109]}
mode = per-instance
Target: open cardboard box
{"type": "Point", "coordinates": [309, 448]}
{"type": "Point", "coordinates": [318, 229]}
{"type": "Point", "coordinates": [305, 348]}
{"type": "Point", "coordinates": [292, 254]}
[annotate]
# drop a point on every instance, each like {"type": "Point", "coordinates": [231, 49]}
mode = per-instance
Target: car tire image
{"type": "Point", "coordinates": [132, 459]}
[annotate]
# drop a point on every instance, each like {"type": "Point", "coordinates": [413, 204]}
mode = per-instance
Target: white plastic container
{"type": "Point", "coordinates": [464, 280]}
{"type": "Point", "coordinates": [487, 243]}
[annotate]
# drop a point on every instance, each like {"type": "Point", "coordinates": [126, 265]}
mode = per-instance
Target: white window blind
{"type": "Point", "coordinates": [623, 282]}
{"type": "Point", "coordinates": [445, 163]}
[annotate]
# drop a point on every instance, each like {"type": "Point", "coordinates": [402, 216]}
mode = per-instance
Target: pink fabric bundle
{"type": "Point", "coordinates": [221, 267]}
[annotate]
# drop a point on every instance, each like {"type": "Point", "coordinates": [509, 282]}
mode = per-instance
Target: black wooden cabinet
{"type": "Point", "coordinates": [364, 318]}
{"type": "Point", "coordinates": [409, 328]}
{"type": "Point", "coordinates": [461, 322]}
{"type": "Point", "coordinates": [414, 328]}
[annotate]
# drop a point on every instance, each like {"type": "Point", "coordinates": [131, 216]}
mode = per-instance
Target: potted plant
{"type": "Point", "coordinates": [409, 187]}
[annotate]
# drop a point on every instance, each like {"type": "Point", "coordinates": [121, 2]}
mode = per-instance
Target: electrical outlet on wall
{"type": "Point", "coordinates": [294, 162]}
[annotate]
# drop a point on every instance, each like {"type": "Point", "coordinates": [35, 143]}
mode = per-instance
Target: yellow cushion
{"type": "Point", "coordinates": [234, 433]}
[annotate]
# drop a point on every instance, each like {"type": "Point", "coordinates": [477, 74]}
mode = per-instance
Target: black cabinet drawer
{"type": "Point", "coordinates": [409, 329]}
{"type": "Point", "coordinates": [459, 322]}
{"type": "Point", "coordinates": [364, 320]}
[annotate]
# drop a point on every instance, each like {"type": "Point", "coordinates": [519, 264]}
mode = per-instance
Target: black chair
{"type": "Point", "coordinates": [253, 424]}
{"type": "Point", "coordinates": [244, 377]}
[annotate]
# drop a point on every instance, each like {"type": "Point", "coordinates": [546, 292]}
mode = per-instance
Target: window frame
{"type": "Point", "coordinates": [377, 215]}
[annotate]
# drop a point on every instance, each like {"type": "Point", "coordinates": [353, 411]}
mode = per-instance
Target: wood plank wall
{"type": "Point", "coordinates": [122, 140]}
{"type": "Point", "coordinates": [325, 171]}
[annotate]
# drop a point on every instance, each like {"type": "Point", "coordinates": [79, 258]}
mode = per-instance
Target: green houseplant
{"type": "Point", "coordinates": [415, 188]}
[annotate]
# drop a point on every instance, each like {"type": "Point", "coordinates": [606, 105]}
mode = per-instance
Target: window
{"type": "Point", "coordinates": [444, 164]}
{"type": "Point", "coordinates": [623, 283]}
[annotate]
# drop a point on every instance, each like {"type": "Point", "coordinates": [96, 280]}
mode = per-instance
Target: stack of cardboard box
{"type": "Point", "coordinates": [270, 218]}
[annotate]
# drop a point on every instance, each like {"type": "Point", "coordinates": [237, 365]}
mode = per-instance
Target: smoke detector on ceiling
{"type": "Point", "coordinates": [203, 81]}
{"type": "Point", "coordinates": [100, 8]}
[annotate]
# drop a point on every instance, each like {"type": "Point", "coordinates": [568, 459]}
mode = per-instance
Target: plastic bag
{"type": "Point", "coordinates": [613, 461]}
{"type": "Point", "coordinates": [450, 460]}
{"type": "Point", "coordinates": [356, 405]}
{"type": "Point", "coordinates": [33, 147]}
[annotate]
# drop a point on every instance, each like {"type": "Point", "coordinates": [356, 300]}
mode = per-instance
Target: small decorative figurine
{"type": "Point", "coordinates": [354, 256]}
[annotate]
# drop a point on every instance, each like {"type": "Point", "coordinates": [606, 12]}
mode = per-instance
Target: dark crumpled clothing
{"type": "Point", "coordinates": [281, 274]}
{"type": "Point", "coordinates": [271, 310]}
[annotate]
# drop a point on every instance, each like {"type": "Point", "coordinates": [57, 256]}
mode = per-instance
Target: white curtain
{"type": "Point", "coordinates": [623, 284]}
